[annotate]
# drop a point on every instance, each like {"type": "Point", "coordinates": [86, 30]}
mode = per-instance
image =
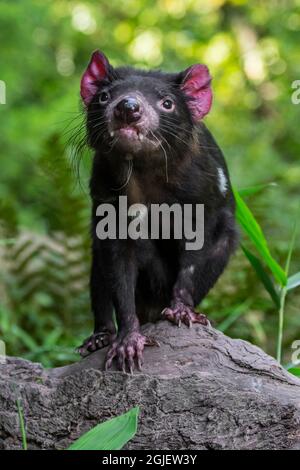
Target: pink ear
{"type": "Point", "coordinates": [196, 85]}
{"type": "Point", "coordinates": [96, 71]}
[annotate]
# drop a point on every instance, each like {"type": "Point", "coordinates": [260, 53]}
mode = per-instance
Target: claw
{"type": "Point", "coordinates": [128, 349]}
{"type": "Point", "coordinates": [130, 358]}
{"type": "Point", "coordinates": [121, 359]}
{"type": "Point", "coordinates": [109, 360]}
{"type": "Point", "coordinates": [96, 341]}
{"type": "Point", "coordinates": [182, 313]}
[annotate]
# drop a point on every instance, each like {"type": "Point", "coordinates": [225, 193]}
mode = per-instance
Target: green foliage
{"type": "Point", "coordinates": [45, 275]}
{"type": "Point", "coordinates": [293, 281]}
{"type": "Point", "coordinates": [263, 276]}
{"type": "Point", "coordinates": [110, 435]}
{"type": "Point", "coordinates": [252, 51]}
{"type": "Point", "coordinates": [255, 234]}
{"type": "Point", "coordinates": [255, 189]}
{"type": "Point", "coordinates": [295, 371]}
{"type": "Point", "coordinates": [22, 424]}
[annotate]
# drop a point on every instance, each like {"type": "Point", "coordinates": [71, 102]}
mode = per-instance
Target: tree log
{"type": "Point", "coordinates": [198, 390]}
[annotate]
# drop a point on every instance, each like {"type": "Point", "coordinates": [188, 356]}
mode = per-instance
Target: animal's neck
{"type": "Point", "coordinates": [143, 179]}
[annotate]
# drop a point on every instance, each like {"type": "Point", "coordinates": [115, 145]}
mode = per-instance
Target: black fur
{"type": "Point", "coordinates": [138, 279]}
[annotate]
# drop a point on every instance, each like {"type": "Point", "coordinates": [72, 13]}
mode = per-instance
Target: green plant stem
{"type": "Point", "coordinates": [22, 424]}
{"type": "Point", "coordinates": [283, 293]}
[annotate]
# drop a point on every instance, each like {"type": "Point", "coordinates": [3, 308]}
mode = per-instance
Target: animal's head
{"type": "Point", "coordinates": [139, 111]}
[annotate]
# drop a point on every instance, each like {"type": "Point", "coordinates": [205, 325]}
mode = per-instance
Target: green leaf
{"type": "Point", "coordinates": [22, 423]}
{"type": "Point", "coordinates": [284, 291]}
{"type": "Point", "coordinates": [295, 371]}
{"type": "Point", "coordinates": [291, 246]}
{"type": "Point", "coordinates": [263, 276]}
{"type": "Point", "coordinates": [244, 192]}
{"type": "Point", "coordinates": [254, 232]}
{"type": "Point", "coordinates": [293, 281]}
{"type": "Point", "coordinates": [110, 435]}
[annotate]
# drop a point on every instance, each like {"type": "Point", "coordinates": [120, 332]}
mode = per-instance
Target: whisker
{"type": "Point", "coordinates": [165, 155]}
{"type": "Point", "coordinates": [205, 147]}
{"type": "Point", "coordinates": [174, 124]}
{"type": "Point", "coordinates": [167, 130]}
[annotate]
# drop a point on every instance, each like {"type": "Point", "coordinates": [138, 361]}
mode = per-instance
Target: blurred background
{"type": "Point", "coordinates": [252, 50]}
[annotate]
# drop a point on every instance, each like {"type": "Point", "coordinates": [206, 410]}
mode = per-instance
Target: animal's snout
{"type": "Point", "coordinates": [128, 110]}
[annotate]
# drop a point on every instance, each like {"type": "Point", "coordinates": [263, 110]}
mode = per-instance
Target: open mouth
{"type": "Point", "coordinates": [129, 133]}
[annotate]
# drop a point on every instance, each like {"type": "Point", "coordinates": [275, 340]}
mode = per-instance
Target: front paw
{"type": "Point", "coordinates": [96, 341]}
{"type": "Point", "coordinates": [128, 351]}
{"type": "Point", "coordinates": [181, 313]}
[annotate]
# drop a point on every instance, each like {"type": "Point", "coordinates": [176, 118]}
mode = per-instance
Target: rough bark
{"type": "Point", "coordinates": [198, 390]}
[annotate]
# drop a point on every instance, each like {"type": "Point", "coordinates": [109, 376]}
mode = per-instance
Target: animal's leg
{"type": "Point", "coordinates": [198, 273]}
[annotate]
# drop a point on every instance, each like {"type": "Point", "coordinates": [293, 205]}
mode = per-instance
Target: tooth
{"type": "Point", "coordinates": [112, 133]}
{"type": "Point", "coordinates": [141, 136]}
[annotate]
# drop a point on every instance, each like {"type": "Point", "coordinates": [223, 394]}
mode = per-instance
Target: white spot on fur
{"type": "Point", "coordinates": [223, 183]}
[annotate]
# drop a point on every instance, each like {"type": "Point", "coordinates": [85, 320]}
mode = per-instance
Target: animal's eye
{"type": "Point", "coordinates": [168, 104]}
{"type": "Point", "coordinates": [104, 97]}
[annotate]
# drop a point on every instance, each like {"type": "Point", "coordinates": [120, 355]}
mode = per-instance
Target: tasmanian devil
{"type": "Point", "coordinates": [151, 145]}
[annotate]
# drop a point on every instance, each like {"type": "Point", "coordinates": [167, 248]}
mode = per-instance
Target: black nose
{"type": "Point", "coordinates": [128, 110]}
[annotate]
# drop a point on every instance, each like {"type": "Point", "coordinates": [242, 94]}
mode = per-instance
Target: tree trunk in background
{"type": "Point", "coordinates": [198, 390]}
